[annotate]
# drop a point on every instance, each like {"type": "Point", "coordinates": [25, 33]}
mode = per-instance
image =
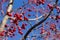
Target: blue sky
{"type": "Point", "coordinates": [19, 3]}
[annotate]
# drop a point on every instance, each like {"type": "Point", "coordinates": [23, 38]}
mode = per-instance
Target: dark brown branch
{"type": "Point", "coordinates": [34, 26]}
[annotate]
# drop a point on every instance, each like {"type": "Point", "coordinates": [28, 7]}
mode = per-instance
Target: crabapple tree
{"type": "Point", "coordinates": [29, 19]}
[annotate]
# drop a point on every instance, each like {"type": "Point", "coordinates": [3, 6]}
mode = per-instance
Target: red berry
{"type": "Point", "coordinates": [11, 31]}
{"type": "Point", "coordinates": [6, 25]}
{"type": "Point", "coordinates": [29, 9]}
{"type": "Point", "coordinates": [20, 18]}
{"type": "Point", "coordinates": [20, 32]}
{"type": "Point", "coordinates": [20, 15]}
{"type": "Point", "coordinates": [9, 14]}
{"type": "Point", "coordinates": [19, 28]}
{"type": "Point", "coordinates": [2, 33]}
{"type": "Point", "coordinates": [25, 18]}
{"type": "Point", "coordinates": [29, 15]}
{"type": "Point", "coordinates": [23, 26]}
{"type": "Point", "coordinates": [50, 6]}
{"type": "Point", "coordinates": [14, 29]}
{"type": "Point", "coordinates": [53, 27]}
{"type": "Point", "coordinates": [42, 1]}
{"type": "Point", "coordinates": [57, 17]}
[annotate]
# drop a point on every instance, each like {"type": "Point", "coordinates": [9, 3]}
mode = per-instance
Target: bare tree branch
{"type": "Point", "coordinates": [6, 16]}
{"type": "Point", "coordinates": [34, 26]}
{"type": "Point", "coordinates": [37, 17]}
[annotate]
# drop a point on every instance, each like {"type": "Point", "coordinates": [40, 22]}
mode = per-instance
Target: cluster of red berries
{"type": "Point", "coordinates": [38, 2]}
{"type": "Point", "coordinates": [10, 30]}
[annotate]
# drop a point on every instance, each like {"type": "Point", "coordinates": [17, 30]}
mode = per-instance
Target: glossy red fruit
{"type": "Point", "coordinates": [11, 31]}
{"type": "Point", "coordinates": [57, 7]}
{"type": "Point", "coordinates": [53, 27]}
{"type": "Point", "coordinates": [50, 6]}
{"type": "Point", "coordinates": [58, 17]}
{"type": "Point", "coordinates": [29, 9]}
{"type": "Point", "coordinates": [9, 14]}
{"type": "Point", "coordinates": [29, 15]}
{"type": "Point", "coordinates": [14, 29]}
{"type": "Point", "coordinates": [42, 30]}
{"type": "Point", "coordinates": [42, 1]}
{"type": "Point", "coordinates": [23, 26]}
{"type": "Point", "coordinates": [15, 21]}
{"type": "Point", "coordinates": [6, 25]}
{"type": "Point", "coordinates": [2, 33]}
{"type": "Point", "coordinates": [25, 18]}
{"type": "Point", "coordinates": [48, 33]}
{"type": "Point", "coordinates": [20, 32]}
{"type": "Point", "coordinates": [19, 29]}
{"type": "Point", "coordinates": [18, 16]}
